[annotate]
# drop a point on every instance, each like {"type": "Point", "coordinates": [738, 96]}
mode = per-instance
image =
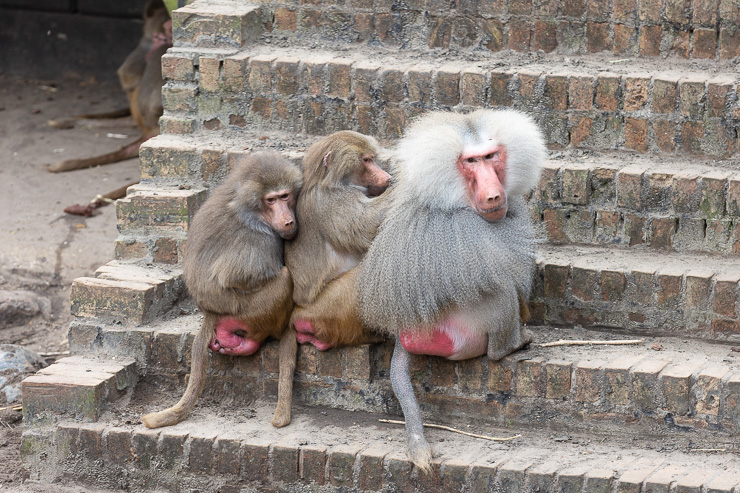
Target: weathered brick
{"type": "Point", "coordinates": [585, 282]}
{"type": "Point", "coordinates": [678, 11]}
{"type": "Point", "coordinates": [520, 34]}
{"type": "Point", "coordinates": [357, 361]}
{"type": "Point", "coordinates": [676, 383]}
{"type": "Point", "coordinates": [364, 81]}
{"type": "Point", "coordinates": [664, 95]}
{"type": "Point", "coordinates": [618, 379]}
{"type": "Point", "coordinates": [545, 37]}
{"type": "Point", "coordinates": [691, 97]}
{"type": "Point", "coordinates": [306, 362]}
{"type": "Point", "coordinates": [598, 36]}
{"type": "Point", "coordinates": [119, 446]}
{"type": "Point", "coordinates": [694, 480]}
{"type": "Point", "coordinates": [662, 479]}
{"type": "Point", "coordinates": [649, 41]}
{"type": "Point", "coordinates": [706, 390]}
{"type": "Point", "coordinates": [284, 463]}
{"type": "Point", "coordinates": [90, 439]}
{"type": "Point", "coordinates": [392, 86]}
{"type": "Point", "coordinates": [473, 85]}
{"type": "Point", "coordinates": [576, 185]}
{"type": "Point", "coordinates": [580, 93]}
{"type": "Point", "coordinates": [606, 227]}
{"type": "Point", "coordinates": [260, 74]}
{"type": "Point", "coordinates": [636, 134]}
{"type": "Point", "coordinates": [698, 285]}
{"type": "Point", "coordinates": [371, 467]}
{"type": "Point", "coordinates": [580, 130]}
{"type": "Point", "coordinates": [587, 381]}
{"type": "Point", "coordinates": [330, 364]}
{"type": "Point", "coordinates": [171, 449]}
{"type": "Point", "coordinates": [608, 92]}
{"type": "Point", "coordinates": [558, 379]}
{"type": "Point", "coordinates": [313, 463]}
{"type": "Point", "coordinates": [636, 92]}
{"type": "Point", "coordinates": [541, 476]}
{"type": "Point", "coordinates": [340, 80]}
{"type": "Point", "coordinates": [725, 295]}
{"type": "Point", "coordinates": [625, 39]}
{"type": "Point", "coordinates": [499, 377]}
{"type": "Point", "coordinates": [705, 43]}
{"type": "Point", "coordinates": [713, 195]}
{"type": "Point", "coordinates": [669, 287]}
{"type": "Point", "coordinates": [729, 42]}
{"type": "Point", "coordinates": [662, 230]}
{"type": "Point", "coordinates": [613, 285]}
{"type": "Point", "coordinates": [631, 478]}
{"type": "Point", "coordinates": [286, 19]}
{"type": "Point", "coordinates": [665, 135]}
{"type": "Point", "coordinates": [645, 394]}
{"type": "Point", "coordinates": [340, 464]}
{"type": "Point", "coordinates": [256, 458]}
{"type": "Point", "coordinates": [201, 451]}
{"type": "Point", "coordinates": [556, 279]}
{"type": "Point", "coordinates": [447, 87]}
{"type": "Point", "coordinates": [470, 374]}
{"type": "Point", "coordinates": [209, 69]}
{"type": "Point", "coordinates": [510, 475]}
{"type": "Point", "coordinates": [629, 187]}
{"type": "Point", "coordinates": [178, 66]}
{"type": "Point", "coordinates": [555, 224]}
{"type": "Point", "coordinates": [556, 91]}
{"type": "Point", "coordinates": [726, 482]}
{"type": "Point", "coordinates": [529, 378]}
{"type": "Point", "coordinates": [492, 31]}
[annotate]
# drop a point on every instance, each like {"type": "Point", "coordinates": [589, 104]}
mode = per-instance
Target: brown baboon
{"type": "Point", "coordinates": [233, 268]}
{"type": "Point", "coordinates": [340, 208]}
{"type": "Point", "coordinates": [454, 258]}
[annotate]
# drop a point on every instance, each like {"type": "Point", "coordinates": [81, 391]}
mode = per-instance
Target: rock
{"type": "Point", "coordinates": [18, 306]}
{"type": "Point", "coordinates": [16, 363]}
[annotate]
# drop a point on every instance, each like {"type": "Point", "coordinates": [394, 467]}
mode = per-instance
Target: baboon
{"type": "Point", "coordinates": [455, 257]}
{"type": "Point", "coordinates": [233, 268]}
{"type": "Point", "coordinates": [340, 208]}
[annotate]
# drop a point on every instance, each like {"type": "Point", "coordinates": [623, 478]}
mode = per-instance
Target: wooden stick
{"type": "Point", "coordinates": [563, 342]}
{"type": "Point", "coordinates": [13, 408]}
{"type": "Point", "coordinates": [441, 427]}
{"type": "Point", "coordinates": [707, 450]}
{"type": "Point", "coordinates": [59, 353]}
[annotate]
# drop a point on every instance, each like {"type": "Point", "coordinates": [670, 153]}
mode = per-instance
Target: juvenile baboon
{"type": "Point", "coordinates": [455, 256]}
{"type": "Point", "coordinates": [233, 268]}
{"type": "Point", "coordinates": [340, 209]}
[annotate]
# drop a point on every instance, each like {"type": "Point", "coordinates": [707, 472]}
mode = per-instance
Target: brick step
{"type": "Point", "coordinates": [584, 102]}
{"type": "Point", "coordinates": [184, 165]}
{"type": "Point", "coordinates": [701, 32]}
{"type": "Point", "coordinates": [705, 31]}
{"type": "Point", "coordinates": [126, 292]}
{"type": "Point", "coordinates": [627, 199]}
{"type": "Point", "coordinates": [643, 291]}
{"type": "Point", "coordinates": [691, 384]}
{"type": "Point", "coordinates": [76, 387]}
{"type": "Point", "coordinates": [329, 450]}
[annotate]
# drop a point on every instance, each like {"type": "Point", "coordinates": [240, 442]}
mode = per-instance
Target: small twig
{"type": "Point", "coordinates": [563, 342]}
{"type": "Point", "coordinates": [12, 408]}
{"type": "Point", "coordinates": [49, 355]}
{"type": "Point", "coordinates": [441, 427]}
{"type": "Point", "coordinates": [620, 60]}
{"type": "Point", "coordinates": [707, 450]}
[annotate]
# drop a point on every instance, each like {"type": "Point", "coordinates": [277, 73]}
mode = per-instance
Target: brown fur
{"type": "Point", "coordinates": [338, 224]}
{"type": "Point", "coordinates": [140, 76]}
{"type": "Point", "coordinates": [233, 267]}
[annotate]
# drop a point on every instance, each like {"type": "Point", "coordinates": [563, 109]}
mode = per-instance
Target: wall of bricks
{"type": "Point", "coordinates": [670, 210]}
{"type": "Point", "coordinates": [320, 94]}
{"type": "Point", "coordinates": [613, 387]}
{"type": "Point", "coordinates": [702, 30]}
{"type": "Point", "coordinates": [145, 460]}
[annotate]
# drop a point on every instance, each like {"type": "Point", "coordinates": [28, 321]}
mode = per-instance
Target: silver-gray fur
{"type": "Point", "coordinates": [425, 263]}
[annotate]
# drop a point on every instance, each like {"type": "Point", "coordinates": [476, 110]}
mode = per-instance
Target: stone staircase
{"type": "Point", "coordinates": [638, 211]}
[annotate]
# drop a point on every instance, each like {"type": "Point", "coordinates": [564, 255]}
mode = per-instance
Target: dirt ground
{"type": "Point", "coordinates": [42, 249]}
